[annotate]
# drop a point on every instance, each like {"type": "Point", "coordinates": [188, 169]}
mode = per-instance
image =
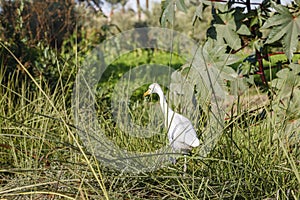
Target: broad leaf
{"type": "Point", "coordinates": [286, 26]}
{"type": "Point", "coordinates": [211, 67]}
{"type": "Point", "coordinates": [181, 5]}
{"type": "Point", "coordinates": [198, 13]}
{"type": "Point", "coordinates": [217, 5]}
{"type": "Point", "coordinates": [207, 74]}
{"type": "Point", "coordinates": [227, 26]}
{"type": "Point", "coordinates": [287, 85]}
{"type": "Point", "coordinates": [168, 10]}
{"type": "Point", "coordinates": [287, 79]}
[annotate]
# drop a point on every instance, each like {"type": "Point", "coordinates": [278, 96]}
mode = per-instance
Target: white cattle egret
{"type": "Point", "coordinates": [181, 133]}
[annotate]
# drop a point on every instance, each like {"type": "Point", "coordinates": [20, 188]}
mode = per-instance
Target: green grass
{"type": "Point", "coordinates": [41, 157]}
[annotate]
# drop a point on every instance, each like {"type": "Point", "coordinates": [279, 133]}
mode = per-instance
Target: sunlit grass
{"type": "Point", "coordinates": [42, 157]}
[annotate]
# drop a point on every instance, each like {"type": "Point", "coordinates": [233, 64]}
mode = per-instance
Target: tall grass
{"type": "Point", "coordinates": [43, 158]}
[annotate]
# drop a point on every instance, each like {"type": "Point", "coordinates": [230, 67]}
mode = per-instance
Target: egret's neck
{"type": "Point", "coordinates": [164, 107]}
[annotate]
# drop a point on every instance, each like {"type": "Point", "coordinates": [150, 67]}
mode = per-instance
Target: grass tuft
{"type": "Point", "coordinates": [41, 157]}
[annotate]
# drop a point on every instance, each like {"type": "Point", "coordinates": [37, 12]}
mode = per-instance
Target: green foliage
{"type": "Point", "coordinates": [260, 29]}
{"type": "Point", "coordinates": [213, 60]}
{"type": "Point", "coordinates": [125, 63]}
{"type": "Point", "coordinates": [36, 143]}
{"type": "Point", "coordinates": [285, 27]}
{"type": "Point", "coordinates": [168, 10]}
{"type": "Point", "coordinates": [257, 155]}
{"type": "Point", "coordinates": [228, 27]}
{"type": "Point", "coordinates": [24, 21]}
{"type": "Point", "coordinates": [287, 86]}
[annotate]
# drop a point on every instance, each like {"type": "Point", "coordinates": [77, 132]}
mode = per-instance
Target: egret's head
{"type": "Point", "coordinates": [153, 88]}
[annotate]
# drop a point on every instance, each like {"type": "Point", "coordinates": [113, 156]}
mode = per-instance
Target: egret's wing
{"type": "Point", "coordinates": [190, 136]}
{"type": "Point", "coordinates": [183, 131]}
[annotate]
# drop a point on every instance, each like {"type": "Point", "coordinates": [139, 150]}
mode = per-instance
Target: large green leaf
{"type": "Point", "coordinates": [284, 26]}
{"type": "Point", "coordinates": [228, 26]}
{"type": "Point", "coordinates": [211, 67]}
{"type": "Point", "coordinates": [168, 10]}
{"type": "Point", "coordinates": [198, 13]}
{"type": "Point", "coordinates": [287, 87]}
{"type": "Point", "coordinates": [287, 79]}
{"type": "Point", "coordinates": [208, 73]}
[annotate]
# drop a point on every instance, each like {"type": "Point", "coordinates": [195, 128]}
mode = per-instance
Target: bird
{"type": "Point", "coordinates": [181, 133]}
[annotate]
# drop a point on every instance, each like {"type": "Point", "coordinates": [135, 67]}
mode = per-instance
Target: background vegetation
{"type": "Point", "coordinates": [42, 45]}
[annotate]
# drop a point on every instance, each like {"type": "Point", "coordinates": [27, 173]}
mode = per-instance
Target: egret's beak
{"type": "Point", "coordinates": [147, 93]}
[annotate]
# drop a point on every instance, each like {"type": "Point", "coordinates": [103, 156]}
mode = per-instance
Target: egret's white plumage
{"type": "Point", "coordinates": [181, 133]}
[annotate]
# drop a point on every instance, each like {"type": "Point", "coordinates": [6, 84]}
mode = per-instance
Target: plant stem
{"type": "Point", "coordinates": [261, 67]}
